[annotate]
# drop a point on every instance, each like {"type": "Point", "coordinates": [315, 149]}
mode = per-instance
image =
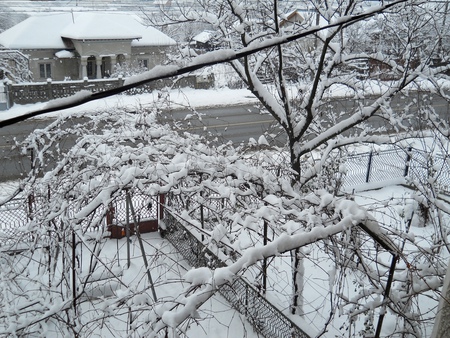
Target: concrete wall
{"type": "Point", "coordinates": [99, 48]}
{"type": "Point", "coordinates": [45, 91]}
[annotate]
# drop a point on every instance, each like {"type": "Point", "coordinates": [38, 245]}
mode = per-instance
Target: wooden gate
{"type": "Point", "coordinates": [147, 210]}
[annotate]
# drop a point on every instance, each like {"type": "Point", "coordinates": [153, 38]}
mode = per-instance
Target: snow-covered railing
{"type": "Point", "coordinates": [412, 164]}
{"type": "Point", "coordinates": [13, 215]}
{"type": "Point", "coordinates": [27, 93]}
{"type": "Point", "coordinates": [264, 317]}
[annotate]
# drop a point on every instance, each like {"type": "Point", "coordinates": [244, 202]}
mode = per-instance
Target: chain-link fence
{"type": "Point", "coordinates": [13, 215]}
{"type": "Point", "coordinates": [362, 168]}
{"type": "Point", "coordinates": [415, 165]}
{"type": "Point", "coordinates": [265, 318]}
{"type": "Point", "coordinates": [17, 214]}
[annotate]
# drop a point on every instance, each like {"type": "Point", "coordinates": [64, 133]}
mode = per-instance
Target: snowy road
{"type": "Point", "coordinates": [237, 123]}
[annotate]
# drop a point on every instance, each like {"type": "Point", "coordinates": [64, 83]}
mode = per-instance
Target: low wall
{"type": "Point", "coordinates": [45, 91]}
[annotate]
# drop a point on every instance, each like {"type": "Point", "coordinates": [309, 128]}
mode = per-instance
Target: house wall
{"type": "Point", "coordinates": [99, 48]}
{"type": "Point", "coordinates": [154, 55]}
{"type": "Point", "coordinates": [67, 69]}
{"type": "Point", "coordinates": [106, 52]}
{"type": "Point", "coordinates": [61, 69]}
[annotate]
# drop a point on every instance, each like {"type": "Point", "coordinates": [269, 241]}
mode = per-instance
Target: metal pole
{"type": "Point", "coordinates": [127, 230]}
{"type": "Point", "coordinates": [369, 167]}
{"type": "Point", "coordinates": [386, 295]}
{"type": "Point", "coordinates": [74, 282]}
{"type": "Point", "coordinates": [264, 267]}
{"type": "Point", "coordinates": [144, 257]}
{"type": "Point", "coordinates": [408, 160]}
{"type": "Point", "coordinates": [31, 196]}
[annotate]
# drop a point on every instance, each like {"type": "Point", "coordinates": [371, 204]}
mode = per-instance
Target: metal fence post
{"type": "Point", "coordinates": [162, 201]}
{"type": "Point", "coordinates": [202, 216]}
{"type": "Point", "coordinates": [127, 231]}
{"type": "Point", "coordinates": [74, 273]}
{"type": "Point", "coordinates": [369, 166]}
{"type": "Point", "coordinates": [31, 195]}
{"type": "Point", "coordinates": [407, 163]}
{"type": "Point", "coordinates": [264, 265]}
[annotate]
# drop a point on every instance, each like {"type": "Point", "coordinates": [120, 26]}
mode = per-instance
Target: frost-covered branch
{"type": "Point", "coordinates": [206, 282]}
{"type": "Point", "coordinates": [164, 72]}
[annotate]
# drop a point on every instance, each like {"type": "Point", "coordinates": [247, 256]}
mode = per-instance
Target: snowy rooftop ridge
{"type": "Point", "coordinates": [98, 26]}
{"type": "Point", "coordinates": [48, 30]}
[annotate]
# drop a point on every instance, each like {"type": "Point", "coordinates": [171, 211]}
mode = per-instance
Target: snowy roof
{"type": "Point", "coordinates": [46, 31]}
{"type": "Point", "coordinates": [293, 17]}
{"type": "Point", "coordinates": [204, 36]}
{"type": "Point", "coordinates": [101, 26]}
{"type": "Point", "coordinates": [64, 54]}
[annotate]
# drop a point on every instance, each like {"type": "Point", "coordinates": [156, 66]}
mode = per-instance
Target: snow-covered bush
{"type": "Point", "coordinates": [239, 201]}
{"type": "Point", "coordinates": [272, 205]}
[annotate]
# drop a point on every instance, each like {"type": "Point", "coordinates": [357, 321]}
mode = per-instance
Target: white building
{"type": "Point", "coordinates": [79, 45]}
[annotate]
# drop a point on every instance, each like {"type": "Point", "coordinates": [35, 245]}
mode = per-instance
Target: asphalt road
{"type": "Point", "coordinates": [14, 164]}
{"type": "Point", "coordinates": [235, 123]}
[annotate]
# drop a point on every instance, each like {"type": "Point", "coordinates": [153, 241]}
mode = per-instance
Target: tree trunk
{"type": "Point", "coordinates": [442, 324]}
{"type": "Point", "coordinates": [298, 273]}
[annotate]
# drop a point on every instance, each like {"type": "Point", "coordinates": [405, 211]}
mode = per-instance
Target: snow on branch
{"type": "Point", "coordinates": [212, 58]}
{"type": "Point", "coordinates": [205, 282]}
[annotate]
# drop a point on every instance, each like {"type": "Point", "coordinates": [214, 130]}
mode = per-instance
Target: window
{"type": "Point", "coordinates": [91, 68]}
{"type": "Point", "coordinates": [143, 63]}
{"type": "Point", "coordinates": [120, 59]}
{"type": "Point", "coordinates": [45, 70]}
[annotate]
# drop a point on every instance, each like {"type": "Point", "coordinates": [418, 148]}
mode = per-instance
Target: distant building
{"type": "Point", "coordinates": [78, 45]}
{"type": "Point", "coordinates": [292, 19]}
{"type": "Point", "coordinates": [205, 41]}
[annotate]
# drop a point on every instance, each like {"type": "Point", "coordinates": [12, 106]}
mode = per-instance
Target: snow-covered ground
{"type": "Point", "coordinates": [220, 319]}
{"type": "Point", "coordinates": [216, 317]}
{"type": "Point", "coordinates": [196, 98]}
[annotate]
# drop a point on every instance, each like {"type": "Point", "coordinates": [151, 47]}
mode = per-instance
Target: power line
{"type": "Point", "coordinates": [219, 57]}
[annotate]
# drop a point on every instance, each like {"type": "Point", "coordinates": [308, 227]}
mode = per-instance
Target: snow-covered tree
{"type": "Point", "coordinates": [14, 66]}
{"type": "Point", "coordinates": [399, 45]}
{"type": "Point", "coordinates": [69, 272]}
{"type": "Point", "coordinates": [268, 206]}
{"type": "Point", "coordinates": [127, 69]}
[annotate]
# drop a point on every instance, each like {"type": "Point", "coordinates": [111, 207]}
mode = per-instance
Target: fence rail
{"type": "Point", "coordinates": [264, 317]}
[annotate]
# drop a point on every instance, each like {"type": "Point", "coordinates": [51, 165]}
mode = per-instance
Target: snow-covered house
{"type": "Point", "coordinates": [205, 41]}
{"type": "Point", "coordinates": [79, 45]}
{"type": "Point", "coordinates": [291, 19]}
